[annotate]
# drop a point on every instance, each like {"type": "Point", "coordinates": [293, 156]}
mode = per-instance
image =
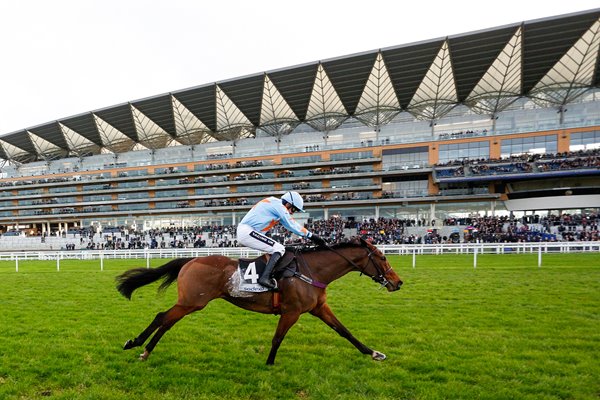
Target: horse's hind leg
{"type": "Point", "coordinates": [169, 319]}
{"type": "Point", "coordinates": [141, 339]}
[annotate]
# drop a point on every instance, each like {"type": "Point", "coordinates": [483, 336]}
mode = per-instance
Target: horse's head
{"type": "Point", "coordinates": [378, 268]}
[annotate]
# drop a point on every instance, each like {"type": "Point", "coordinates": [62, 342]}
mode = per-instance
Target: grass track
{"type": "Point", "coordinates": [506, 330]}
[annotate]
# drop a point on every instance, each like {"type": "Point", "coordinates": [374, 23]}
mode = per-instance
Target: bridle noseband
{"type": "Point", "coordinates": [379, 277]}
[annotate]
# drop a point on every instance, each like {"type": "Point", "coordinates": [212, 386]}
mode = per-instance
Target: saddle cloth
{"type": "Point", "coordinates": [250, 270]}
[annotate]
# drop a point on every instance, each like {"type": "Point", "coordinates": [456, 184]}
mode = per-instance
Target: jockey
{"type": "Point", "coordinates": [263, 216]}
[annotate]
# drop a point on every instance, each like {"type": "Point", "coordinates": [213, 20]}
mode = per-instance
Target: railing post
{"type": "Point", "coordinates": [475, 257]}
{"type": "Point", "coordinates": [17, 263]}
{"type": "Point", "coordinates": [414, 258]}
{"type": "Point", "coordinates": [539, 256]}
{"type": "Point", "coordinates": [101, 261]}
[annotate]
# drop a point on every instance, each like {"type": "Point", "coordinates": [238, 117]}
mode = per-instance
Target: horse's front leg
{"type": "Point", "coordinates": [326, 315]}
{"type": "Point", "coordinates": [286, 321]}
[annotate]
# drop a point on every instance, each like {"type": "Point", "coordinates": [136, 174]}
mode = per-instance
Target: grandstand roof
{"type": "Point", "coordinates": [552, 61]}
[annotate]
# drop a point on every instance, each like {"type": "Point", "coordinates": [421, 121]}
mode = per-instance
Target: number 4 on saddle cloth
{"type": "Point", "coordinates": [249, 271]}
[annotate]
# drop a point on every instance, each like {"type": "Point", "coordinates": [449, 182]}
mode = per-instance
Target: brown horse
{"type": "Point", "coordinates": [203, 279]}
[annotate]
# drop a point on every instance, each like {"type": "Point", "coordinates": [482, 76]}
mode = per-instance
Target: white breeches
{"type": "Point", "coordinates": [258, 241]}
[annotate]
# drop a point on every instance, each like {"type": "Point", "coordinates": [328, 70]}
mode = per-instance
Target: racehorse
{"type": "Point", "coordinates": [203, 279]}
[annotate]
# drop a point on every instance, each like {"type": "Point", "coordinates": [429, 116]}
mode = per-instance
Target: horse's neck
{"type": "Point", "coordinates": [327, 266]}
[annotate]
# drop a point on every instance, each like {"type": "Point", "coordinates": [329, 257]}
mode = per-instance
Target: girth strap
{"type": "Point", "coordinates": [310, 281]}
{"type": "Point", "coordinates": [276, 302]}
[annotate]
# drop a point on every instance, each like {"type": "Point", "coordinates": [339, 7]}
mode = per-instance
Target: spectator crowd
{"type": "Point", "coordinates": [486, 229]}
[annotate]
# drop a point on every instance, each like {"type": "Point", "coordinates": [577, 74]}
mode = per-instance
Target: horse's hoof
{"type": "Point", "coordinates": [144, 356]}
{"type": "Point", "coordinates": [128, 345]}
{"type": "Point", "coordinates": [377, 356]}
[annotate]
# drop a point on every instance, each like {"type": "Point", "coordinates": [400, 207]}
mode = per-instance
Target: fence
{"type": "Point", "coordinates": [237, 252]}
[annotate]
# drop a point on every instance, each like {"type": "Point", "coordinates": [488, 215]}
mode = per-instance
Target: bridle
{"type": "Point", "coordinates": [379, 277]}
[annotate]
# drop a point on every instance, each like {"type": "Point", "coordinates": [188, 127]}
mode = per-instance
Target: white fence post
{"type": "Point", "coordinates": [57, 262]}
{"type": "Point", "coordinates": [539, 256]}
{"type": "Point", "coordinates": [147, 259]}
{"type": "Point", "coordinates": [414, 258]}
{"type": "Point", "coordinates": [101, 261]}
{"type": "Point", "coordinates": [17, 263]}
{"type": "Point", "coordinates": [475, 257]}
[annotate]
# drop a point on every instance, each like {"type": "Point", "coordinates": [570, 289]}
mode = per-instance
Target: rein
{"type": "Point", "coordinates": [380, 278]}
{"type": "Point", "coordinates": [377, 278]}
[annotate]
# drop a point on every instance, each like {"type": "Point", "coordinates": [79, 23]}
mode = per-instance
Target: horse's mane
{"type": "Point", "coordinates": [354, 241]}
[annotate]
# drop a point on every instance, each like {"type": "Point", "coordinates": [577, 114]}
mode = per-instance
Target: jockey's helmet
{"type": "Point", "coordinates": [294, 199]}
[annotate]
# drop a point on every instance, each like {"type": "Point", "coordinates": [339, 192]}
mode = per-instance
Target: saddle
{"type": "Point", "coordinates": [250, 269]}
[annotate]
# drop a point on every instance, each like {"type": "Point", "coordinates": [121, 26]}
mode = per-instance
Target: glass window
{"type": "Point", "coordinates": [464, 151]}
{"type": "Point", "coordinates": [300, 160]}
{"type": "Point", "coordinates": [64, 200]}
{"type": "Point", "coordinates": [582, 141]}
{"type": "Point", "coordinates": [101, 197]}
{"type": "Point", "coordinates": [132, 184]}
{"type": "Point", "coordinates": [128, 207]}
{"type": "Point", "coordinates": [351, 155]}
{"type": "Point", "coordinates": [167, 204]}
{"type": "Point", "coordinates": [414, 157]}
{"type": "Point", "coordinates": [302, 185]}
{"type": "Point", "coordinates": [344, 183]}
{"type": "Point", "coordinates": [167, 182]}
{"type": "Point", "coordinates": [62, 189]}
{"type": "Point", "coordinates": [529, 145]}
{"type": "Point", "coordinates": [405, 189]}
{"type": "Point", "coordinates": [29, 192]}
{"type": "Point", "coordinates": [101, 186]}
{"type": "Point", "coordinates": [213, 190]}
{"type": "Point", "coordinates": [136, 195]}
{"type": "Point", "coordinates": [171, 193]}
{"type": "Point", "coordinates": [255, 188]}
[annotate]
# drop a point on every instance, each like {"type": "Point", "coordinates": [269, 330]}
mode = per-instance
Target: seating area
{"type": "Point", "coordinates": [523, 164]}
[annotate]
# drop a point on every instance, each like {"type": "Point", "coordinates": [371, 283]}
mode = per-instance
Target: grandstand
{"type": "Point", "coordinates": [499, 122]}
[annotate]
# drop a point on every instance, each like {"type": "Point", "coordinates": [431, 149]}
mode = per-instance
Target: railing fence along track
{"type": "Point", "coordinates": [412, 250]}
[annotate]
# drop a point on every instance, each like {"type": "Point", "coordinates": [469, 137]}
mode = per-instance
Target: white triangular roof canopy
{"type": "Point", "coordinates": [276, 115]}
{"type": "Point", "coordinates": [436, 95]}
{"type": "Point", "coordinates": [149, 133]}
{"type": "Point", "coordinates": [502, 82]}
{"type": "Point", "coordinates": [112, 138]}
{"type": "Point", "coordinates": [77, 143]}
{"type": "Point", "coordinates": [44, 148]}
{"type": "Point", "coordinates": [14, 152]}
{"type": "Point", "coordinates": [190, 130]}
{"type": "Point", "coordinates": [378, 103]}
{"type": "Point", "coordinates": [324, 98]}
{"type": "Point", "coordinates": [228, 114]}
{"type": "Point", "coordinates": [573, 74]}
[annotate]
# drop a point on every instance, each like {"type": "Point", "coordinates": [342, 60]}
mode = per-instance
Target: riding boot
{"type": "Point", "coordinates": [265, 278]}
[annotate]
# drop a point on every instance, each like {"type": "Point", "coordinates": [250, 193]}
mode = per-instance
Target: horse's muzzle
{"type": "Point", "coordinates": [391, 287]}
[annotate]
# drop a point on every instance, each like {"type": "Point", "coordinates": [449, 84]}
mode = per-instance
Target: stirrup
{"type": "Point", "coordinates": [273, 284]}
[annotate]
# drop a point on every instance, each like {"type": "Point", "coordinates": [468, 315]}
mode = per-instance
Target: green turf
{"type": "Point", "coordinates": [506, 330]}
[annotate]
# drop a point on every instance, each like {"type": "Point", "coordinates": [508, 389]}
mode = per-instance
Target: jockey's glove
{"type": "Point", "coordinates": [318, 240]}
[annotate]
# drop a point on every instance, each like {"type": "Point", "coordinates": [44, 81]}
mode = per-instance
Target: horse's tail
{"type": "Point", "coordinates": [132, 279]}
